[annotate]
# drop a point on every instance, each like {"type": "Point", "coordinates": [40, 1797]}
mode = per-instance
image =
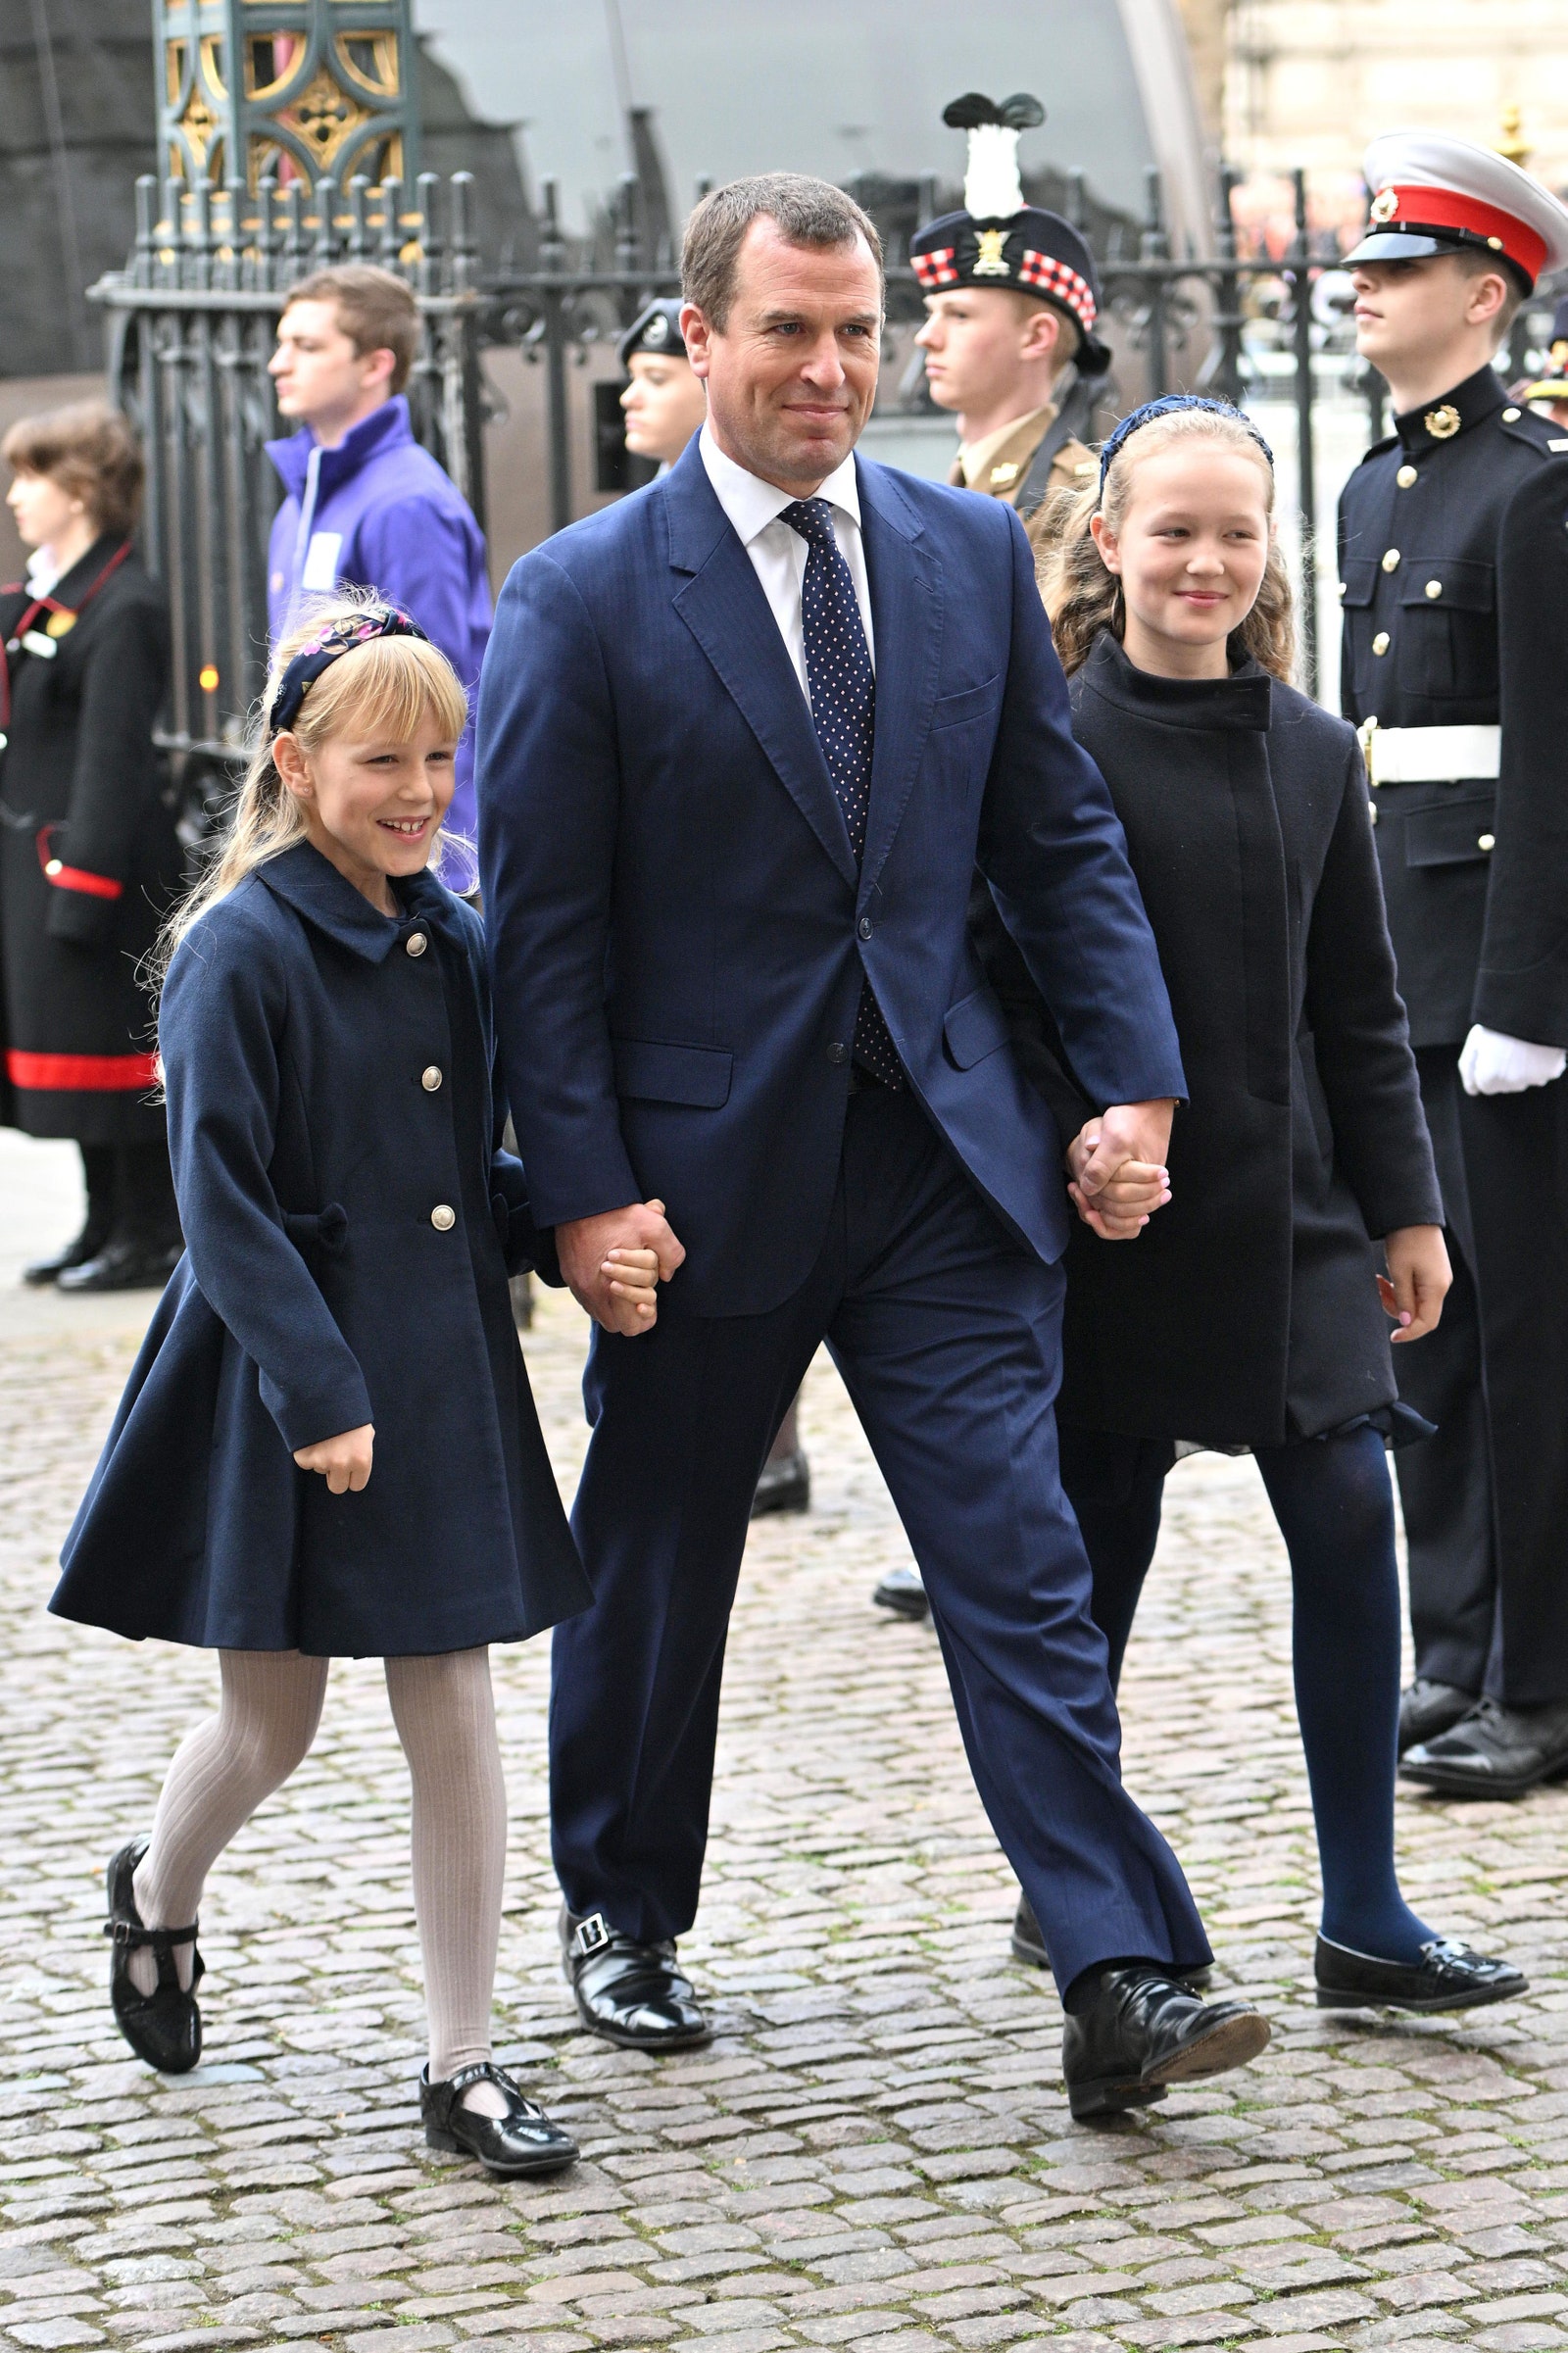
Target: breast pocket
{"type": "Point", "coordinates": [1447, 634]}
{"type": "Point", "coordinates": [970, 703]}
{"type": "Point", "coordinates": [1357, 586]}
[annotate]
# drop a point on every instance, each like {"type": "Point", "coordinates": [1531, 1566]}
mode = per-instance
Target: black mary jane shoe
{"type": "Point", "coordinates": [1448, 1977]}
{"type": "Point", "coordinates": [633, 1994]}
{"type": "Point", "coordinates": [1145, 2030]}
{"type": "Point", "coordinates": [164, 2027]}
{"type": "Point", "coordinates": [522, 2141]}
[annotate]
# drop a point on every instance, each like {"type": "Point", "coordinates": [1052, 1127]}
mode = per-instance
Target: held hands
{"type": "Point", "coordinates": [614, 1262]}
{"type": "Point", "coordinates": [1116, 1168]}
{"type": "Point", "coordinates": [344, 1461]}
{"type": "Point", "coordinates": [1418, 1262]}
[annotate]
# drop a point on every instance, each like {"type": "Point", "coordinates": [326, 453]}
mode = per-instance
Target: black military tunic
{"type": "Point", "coordinates": [88, 853]}
{"type": "Point", "coordinates": [1422, 531]}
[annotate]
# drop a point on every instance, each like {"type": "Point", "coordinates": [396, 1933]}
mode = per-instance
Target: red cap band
{"type": "Point", "coordinates": [1445, 208]}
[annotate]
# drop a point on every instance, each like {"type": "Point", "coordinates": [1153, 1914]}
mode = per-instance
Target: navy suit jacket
{"type": "Point", "coordinates": [677, 932]}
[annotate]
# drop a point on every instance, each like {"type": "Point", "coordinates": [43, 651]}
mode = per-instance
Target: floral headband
{"type": "Point", "coordinates": [1171, 405]}
{"type": "Point", "coordinates": [330, 646]}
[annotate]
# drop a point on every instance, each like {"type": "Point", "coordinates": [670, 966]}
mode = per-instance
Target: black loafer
{"type": "Point", "coordinates": [164, 2027]}
{"type": "Point", "coordinates": [1494, 1751]}
{"type": "Point", "coordinates": [522, 2141]}
{"type": "Point", "coordinates": [1427, 1709]}
{"type": "Point", "coordinates": [1029, 1945]}
{"type": "Point", "coordinates": [784, 1485]}
{"type": "Point", "coordinates": [120, 1266]}
{"type": "Point", "coordinates": [1145, 2030]}
{"type": "Point", "coordinates": [1448, 1977]}
{"type": "Point", "coordinates": [631, 1993]}
{"type": "Point", "coordinates": [901, 1592]}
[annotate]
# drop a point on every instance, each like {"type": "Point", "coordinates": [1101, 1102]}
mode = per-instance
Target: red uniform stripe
{"type": "Point", "coordinates": [77, 878]}
{"type": "Point", "coordinates": [1445, 208]}
{"type": "Point", "coordinates": [81, 1073]}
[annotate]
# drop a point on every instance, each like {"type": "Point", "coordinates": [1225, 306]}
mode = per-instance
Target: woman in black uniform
{"type": "Point", "coordinates": [88, 853]}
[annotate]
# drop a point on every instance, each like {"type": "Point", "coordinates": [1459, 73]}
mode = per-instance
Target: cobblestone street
{"type": "Point", "coordinates": [876, 2147]}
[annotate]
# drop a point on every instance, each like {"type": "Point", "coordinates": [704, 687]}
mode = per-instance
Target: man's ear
{"type": "Point", "coordinates": [1044, 337]}
{"type": "Point", "coordinates": [380, 364]}
{"type": "Point", "coordinates": [698, 336]}
{"type": "Point", "coordinates": [1488, 294]}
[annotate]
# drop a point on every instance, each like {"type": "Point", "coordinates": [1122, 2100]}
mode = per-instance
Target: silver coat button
{"type": "Point", "coordinates": [1408, 477]}
{"type": "Point", "coordinates": [1391, 560]}
{"type": "Point", "coordinates": [1379, 643]}
{"type": "Point", "coordinates": [442, 1218]}
{"type": "Point", "coordinates": [1487, 841]}
{"type": "Point", "coordinates": [1434, 588]}
{"type": "Point", "coordinates": [1510, 416]}
{"type": "Point", "coordinates": [416, 943]}
{"type": "Point", "coordinates": [430, 1079]}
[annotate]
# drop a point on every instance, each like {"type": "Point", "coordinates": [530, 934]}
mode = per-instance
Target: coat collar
{"type": "Point", "coordinates": [314, 888]}
{"type": "Point", "coordinates": [1242, 703]}
{"type": "Point", "coordinates": [385, 429]}
{"type": "Point", "coordinates": [720, 600]}
{"type": "Point", "coordinates": [1480, 396]}
{"type": "Point", "coordinates": [75, 584]}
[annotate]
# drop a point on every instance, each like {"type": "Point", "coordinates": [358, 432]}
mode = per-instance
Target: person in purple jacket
{"type": "Point", "coordinates": [365, 504]}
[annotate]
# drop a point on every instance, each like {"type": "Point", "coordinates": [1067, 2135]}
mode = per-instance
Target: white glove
{"type": "Point", "coordinates": [1492, 1064]}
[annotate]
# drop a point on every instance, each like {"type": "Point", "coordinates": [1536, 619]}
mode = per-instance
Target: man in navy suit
{"type": "Point", "coordinates": [743, 739]}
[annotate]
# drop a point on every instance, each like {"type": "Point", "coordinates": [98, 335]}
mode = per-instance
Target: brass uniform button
{"type": "Point", "coordinates": [1434, 588]}
{"type": "Point", "coordinates": [1391, 560]}
{"type": "Point", "coordinates": [1510, 416]}
{"type": "Point", "coordinates": [1487, 841]}
{"type": "Point", "coordinates": [1379, 643]}
{"type": "Point", "coordinates": [442, 1218]}
{"type": "Point", "coordinates": [1344, 585]}
{"type": "Point", "coordinates": [55, 867]}
{"type": "Point", "coordinates": [1442, 424]}
{"type": "Point", "coordinates": [415, 944]}
{"type": "Point", "coordinates": [430, 1079]}
{"type": "Point", "coordinates": [1372, 809]}
{"type": "Point", "coordinates": [1408, 477]}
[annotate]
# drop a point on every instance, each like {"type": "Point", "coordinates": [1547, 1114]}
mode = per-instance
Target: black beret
{"type": "Point", "coordinates": [655, 329]}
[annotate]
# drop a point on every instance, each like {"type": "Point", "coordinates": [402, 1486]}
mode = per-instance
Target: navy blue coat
{"type": "Point", "coordinates": [678, 933]}
{"type": "Point", "coordinates": [330, 1102]}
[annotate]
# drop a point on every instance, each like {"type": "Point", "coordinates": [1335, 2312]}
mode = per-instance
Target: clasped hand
{"type": "Point", "coordinates": [613, 1264]}
{"type": "Point", "coordinates": [1116, 1173]}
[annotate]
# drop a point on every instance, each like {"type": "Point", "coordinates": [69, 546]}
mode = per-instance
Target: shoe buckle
{"type": "Point", "coordinates": [590, 1936]}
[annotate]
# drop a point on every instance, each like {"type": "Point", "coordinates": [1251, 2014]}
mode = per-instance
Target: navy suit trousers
{"type": "Point", "coordinates": [948, 1337]}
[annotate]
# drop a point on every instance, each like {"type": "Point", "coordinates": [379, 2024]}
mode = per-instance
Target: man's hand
{"type": "Point", "coordinates": [1418, 1261]}
{"type": "Point", "coordinates": [1128, 1132]}
{"type": "Point", "coordinates": [1120, 1210]}
{"type": "Point", "coordinates": [1491, 1063]}
{"type": "Point", "coordinates": [344, 1461]}
{"type": "Point", "coordinates": [599, 1256]}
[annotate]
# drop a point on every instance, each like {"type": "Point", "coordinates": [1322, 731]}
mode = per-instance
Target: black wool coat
{"type": "Point", "coordinates": [88, 853]}
{"type": "Point", "coordinates": [1246, 1313]}
{"type": "Point", "coordinates": [350, 1221]}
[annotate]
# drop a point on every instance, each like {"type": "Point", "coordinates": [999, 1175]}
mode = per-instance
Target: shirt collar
{"type": "Point", "coordinates": [752, 504]}
{"type": "Point", "coordinates": [976, 456]}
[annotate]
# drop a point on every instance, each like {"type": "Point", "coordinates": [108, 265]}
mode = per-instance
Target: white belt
{"type": "Point", "coordinates": [1431, 755]}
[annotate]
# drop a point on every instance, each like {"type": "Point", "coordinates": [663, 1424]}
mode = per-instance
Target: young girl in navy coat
{"type": "Point", "coordinates": [1246, 1314]}
{"type": "Point", "coordinates": [327, 1446]}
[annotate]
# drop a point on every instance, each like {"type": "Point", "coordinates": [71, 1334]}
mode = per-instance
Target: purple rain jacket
{"type": "Point", "coordinates": [378, 512]}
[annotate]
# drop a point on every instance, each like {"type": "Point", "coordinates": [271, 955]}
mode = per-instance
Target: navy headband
{"type": "Point", "coordinates": [1171, 405]}
{"type": "Point", "coordinates": [329, 647]}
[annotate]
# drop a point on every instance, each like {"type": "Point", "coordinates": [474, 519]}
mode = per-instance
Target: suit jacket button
{"type": "Point", "coordinates": [866, 927]}
{"type": "Point", "coordinates": [415, 944]}
{"type": "Point", "coordinates": [430, 1079]}
{"type": "Point", "coordinates": [838, 1052]}
{"type": "Point", "coordinates": [442, 1218]}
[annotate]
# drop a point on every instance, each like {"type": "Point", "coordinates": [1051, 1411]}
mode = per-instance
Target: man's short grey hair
{"type": "Point", "coordinates": [807, 212]}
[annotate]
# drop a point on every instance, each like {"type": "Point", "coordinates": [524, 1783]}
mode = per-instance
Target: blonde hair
{"type": "Point", "coordinates": [1083, 597]}
{"type": "Point", "coordinates": [380, 689]}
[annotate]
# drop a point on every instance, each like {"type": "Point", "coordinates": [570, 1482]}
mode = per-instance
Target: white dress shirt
{"type": "Point", "coordinates": [778, 554]}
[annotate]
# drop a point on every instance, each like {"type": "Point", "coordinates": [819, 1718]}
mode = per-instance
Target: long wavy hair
{"type": "Point", "coordinates": [381, 690]}
{"type": "Point", "coordinates": [1083, 598]}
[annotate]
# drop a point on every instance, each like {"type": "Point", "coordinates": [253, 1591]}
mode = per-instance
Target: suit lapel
{"type": "Point", "coordinates": [905, 582]}
{"type": "Point", "coordinates": [723, 605]}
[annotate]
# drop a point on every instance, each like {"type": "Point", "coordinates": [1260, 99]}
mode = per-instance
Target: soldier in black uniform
{"type": "Point", "coordinates": [1475, 869]}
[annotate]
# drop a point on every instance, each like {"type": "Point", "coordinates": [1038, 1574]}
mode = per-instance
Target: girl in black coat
{"type": "Point", "coordinates": [1246, 1314]}
{"type": "Point", "coordinates": [88, 854]}
{"type": "Point", "coordinates": [328, 1444]}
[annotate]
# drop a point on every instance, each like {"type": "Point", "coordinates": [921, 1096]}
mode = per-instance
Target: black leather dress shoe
{"type": "Point", "coordinates": [1428, 1708]}
{"type": "Point", "coordinates": [784, 1485]}
{"type": "Point", "coordinates": [121, 1266]}
{"type": "Point", "coordinates": [164, 2027]}
{"type": "Point", "coordinates": [1448, 1977]}
{"type": "Point", "coordinates": [1146, 2030]}
{"type": "Point", "coordinates": [88, 1243]}
{"type": "Point", "coordinates": [522, 2141]}
{"type": "Point", "coordinates": [902, 1592]}
{"type": "Point", "coordinates": [1029, 1945]}
{"type": "Point", "coordinates": [631, 1993]}
{"type": "Point", "coordinates": [1492, 1752]}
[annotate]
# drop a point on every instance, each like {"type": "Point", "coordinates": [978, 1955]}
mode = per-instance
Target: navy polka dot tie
{"type": "Point", "coordinates": [843, 684]}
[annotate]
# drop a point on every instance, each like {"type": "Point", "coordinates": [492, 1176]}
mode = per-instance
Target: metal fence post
{"type": "Point", "coordinates": [552, 258]}
{"type": "Point", "coordinates": [1305, 454]}
{"type": "Point", "coordinates": [1155, 247]}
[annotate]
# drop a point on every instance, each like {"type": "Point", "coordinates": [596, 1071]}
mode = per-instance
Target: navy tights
{"type": "Point", "coordinates": [1333, 1503]}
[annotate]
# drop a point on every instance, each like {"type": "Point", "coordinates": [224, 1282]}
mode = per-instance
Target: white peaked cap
{"type": "Point", "coordinates": [1475, 191]}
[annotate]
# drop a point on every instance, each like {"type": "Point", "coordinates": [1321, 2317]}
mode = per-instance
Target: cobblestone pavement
{"type": "Point", "coordinates": [876, 2146]}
